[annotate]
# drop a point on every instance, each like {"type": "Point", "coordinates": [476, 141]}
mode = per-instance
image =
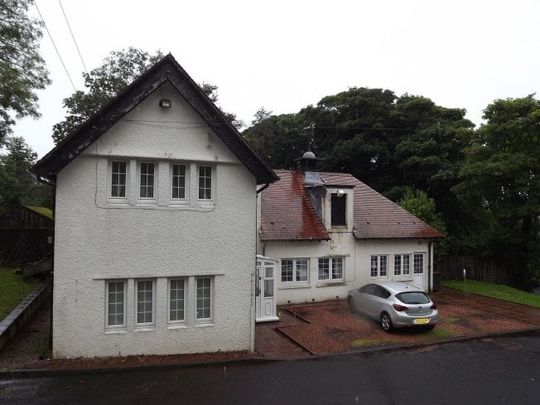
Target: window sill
{"type": "Point", "coordinates": [292, 286]}
{"type": "Point", "coordinates": [115, 331]}
{"type": "Point", "coordinates": [204, 324]}
{"type": "Point", "coordinates": [144, 329]}
{"type": "Point", "coordinates": [330, 283]}
{"type": "Point", "coordinates": [173, 326]}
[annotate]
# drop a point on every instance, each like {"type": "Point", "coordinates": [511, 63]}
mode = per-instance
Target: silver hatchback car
{"type": "Point", "coordinates": [394, 305]}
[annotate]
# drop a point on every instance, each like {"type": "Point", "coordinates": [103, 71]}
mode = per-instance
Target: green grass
{"type": "Point", "coordinates": [440, 333]}
{"type": "Point", "coordinates": [359, 343]}
{"type": "Point", "coordinates": [502, 292]}
{"type": "Point", "coordinates": [12, 290]}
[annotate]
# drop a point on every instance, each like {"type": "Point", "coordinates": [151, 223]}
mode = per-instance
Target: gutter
{"type": "Point", "coordinates": [263, 188]}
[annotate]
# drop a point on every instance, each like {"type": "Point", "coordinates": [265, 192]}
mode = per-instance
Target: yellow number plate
{"type": "Point", "coordinates": [421, 321]}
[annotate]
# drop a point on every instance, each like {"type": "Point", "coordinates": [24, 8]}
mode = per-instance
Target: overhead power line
{"type": "Point", "coordinates": [54, 45]}
{"type": "Point", "coordinates": [73, 36]}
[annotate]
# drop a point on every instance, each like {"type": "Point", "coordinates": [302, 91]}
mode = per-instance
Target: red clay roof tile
{"type": "Point", "coordinates": [287, 212]}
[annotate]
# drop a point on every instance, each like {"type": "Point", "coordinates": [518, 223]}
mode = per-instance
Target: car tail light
{"type": "Point", "coordinates": [433, 306]}
{"type": "Point", "coordinates": [398, 307]}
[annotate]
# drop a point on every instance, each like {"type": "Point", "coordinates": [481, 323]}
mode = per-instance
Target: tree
{"type": "Point", "coordinates": [22, 69]}
{"type": "Point", "coordinates": [118, 70]}
{"type": "Point", "coordinates": [501, 176]}
{"type": "Point", "coordinates": [418, 203]}
{"type": "Point", "coordinates": [17, 185]}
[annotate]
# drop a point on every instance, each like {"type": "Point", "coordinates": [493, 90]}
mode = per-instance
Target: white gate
{"type": "Point", "coordinates": [265, 290]}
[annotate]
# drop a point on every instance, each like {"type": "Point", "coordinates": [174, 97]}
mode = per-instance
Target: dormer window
{"type": "Point", "coordinates": [338, 203]}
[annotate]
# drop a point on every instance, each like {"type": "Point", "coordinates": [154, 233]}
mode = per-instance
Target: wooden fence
{"type": "Point", "coordinates": [478, 268]}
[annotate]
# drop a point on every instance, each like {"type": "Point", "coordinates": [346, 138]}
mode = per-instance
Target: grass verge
{"type": "Point", "coordinates": [499, 291]}
{"type": "Point", "coordinates": [12, 290]}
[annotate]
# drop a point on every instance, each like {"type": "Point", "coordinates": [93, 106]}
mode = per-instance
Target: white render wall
{"type": "Point", "coordinates": [357, 267]}
{"type": "Point", "coordinates": [97, 239]}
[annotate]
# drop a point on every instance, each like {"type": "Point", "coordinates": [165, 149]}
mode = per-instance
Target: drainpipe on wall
{"type": "Point", "coordinates": [430, 267]}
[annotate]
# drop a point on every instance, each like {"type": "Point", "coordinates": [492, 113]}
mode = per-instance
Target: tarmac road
{"type": "Point", "coordinates": [489, 371]}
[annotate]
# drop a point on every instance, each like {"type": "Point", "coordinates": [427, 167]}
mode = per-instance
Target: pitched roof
{"type": "Point", "coordinates": [287, 212]}
{"type": "Point", "coordinates": [166, 70]}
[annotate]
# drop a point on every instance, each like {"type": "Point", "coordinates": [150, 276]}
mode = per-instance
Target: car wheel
{"type": "Point", "coordinates": [386, 322]}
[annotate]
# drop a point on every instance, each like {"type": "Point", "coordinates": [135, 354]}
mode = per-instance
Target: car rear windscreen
{"type": "Point", "coordinates": [413, 297]}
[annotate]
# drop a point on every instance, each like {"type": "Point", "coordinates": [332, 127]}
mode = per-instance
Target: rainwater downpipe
{"type": "Point", "coordinates": [430, 247]}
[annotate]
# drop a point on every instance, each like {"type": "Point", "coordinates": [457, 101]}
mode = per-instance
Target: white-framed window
{"type": "Point", "coordinates": [144, 302]}
{"type": "Point", "coordinates": [379, 265]}
{"type": "Point", "coordinates": [119, 170]}
{"type": "Point", "coordinates": [418, 263]}
{"type": "Point", "coordinates": [115, 307]}
{"type": "Point", "coordinates": [177, 299]}
{"type": "Point", "coordinates": [179, 181]}
{"type": "Point", "coordinates": [205, 182]}
{"type": "Point", "coordinates": [147, 180]}
{"type": "Point", "coordinates": [294, 270]}
{"type": "Point", "coordinates": [402, 265]}
{"type": "Point", "coordinates": [331, 268]}
{"type": "Point", "coordinates": [203, 305]}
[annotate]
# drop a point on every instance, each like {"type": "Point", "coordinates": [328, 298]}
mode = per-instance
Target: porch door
{"type": "Point", "coordinates": [419, 270]}
{"type": "Point", "coordinates": [265, 290]}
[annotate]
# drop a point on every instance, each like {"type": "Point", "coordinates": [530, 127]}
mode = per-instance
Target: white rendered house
{"type": "Point", "coordinates": [330, 233]}
{"type": "Point", "coordinates": [155, 210]}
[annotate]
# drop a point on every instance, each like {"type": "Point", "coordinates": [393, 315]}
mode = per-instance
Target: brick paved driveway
{"type": "Point", "coordinates": [329, 327]}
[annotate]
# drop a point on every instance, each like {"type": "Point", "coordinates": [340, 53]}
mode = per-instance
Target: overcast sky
{"type": "Point", "coordinates": [284, 55]}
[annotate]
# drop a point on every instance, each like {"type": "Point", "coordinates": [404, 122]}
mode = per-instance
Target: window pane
{"type": "Point", "coordinates": [268, 288]}
{"type": "Point", "coordinates": [286, 270]}
{"type": "Point", "coordinates": [397, 265]}
{"type": "Point", "coordinates": [406, 259]}
{"type": "Point", "coordinates": [115, 309]}
{"type": "Point", "coordinates": [418, 263]}
{"type": "Point", "coordinates": [145, 305]}
{"type": "Point", "coordinates": [374, 266]}
{"type": "Point", "coordinates": [205, 183]}
{"type": "Point", "coordinates": [338, 210]}
{"type": "Point", "coordinates": [179, 181]}
{"type": "Point", "coordinates": [382, 269]}
{"type": "Point", "coordinates": [203, 297]}
{"type": "Point", "coordinates": [301, 270]}
{"type": "Point", "coordinates": [147, 180]}
{"type": "Point", "coordinates": [118, 180]}
{"type": "Point", "coordinates": [324, 269]}
{"type": "Point", "coordinates": [176, 300]}
{"type": "Point", "coordinates": [337, 268]}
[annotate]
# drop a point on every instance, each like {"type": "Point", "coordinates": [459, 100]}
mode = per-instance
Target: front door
{"type": "Point", "coordinates": [419, 269]}
{"type": "Point", "coordinates": [265, 290]}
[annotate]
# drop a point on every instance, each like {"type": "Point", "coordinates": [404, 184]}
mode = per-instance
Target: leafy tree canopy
{"type": "Point", "coordinates": [118, 70]}
{"type": "Point", "coordinates": [22, 69]}
{"type": "Point", "coordinates": [501, 176]}
{"type": "Point", "coordinates": [17, 185]}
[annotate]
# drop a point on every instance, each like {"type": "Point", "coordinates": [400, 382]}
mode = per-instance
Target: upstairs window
{"type": "Point", "coordinates": [339, 209]}
{"type": "Point", "coordinates": [205, 182]}
{"type": "Point", "coordinates": [147, 180]}
{"type": "Point", "coordinates": [118, 179]}
{"type": "Point", "coordinates": [178, 181]}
